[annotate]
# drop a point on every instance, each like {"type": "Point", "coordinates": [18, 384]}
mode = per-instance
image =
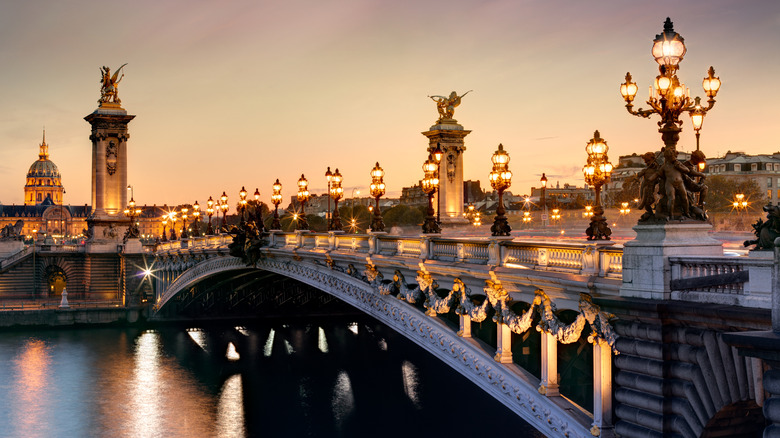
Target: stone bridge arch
{"type": "Point", "coordinates": [508, 383]}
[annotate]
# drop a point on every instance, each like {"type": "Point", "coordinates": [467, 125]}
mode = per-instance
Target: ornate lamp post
{"type": "Point", "coordinates": [172, 216]}
{"type": "Point", "coordinates": [336, 192]}
{"type": "Point", "coordinates": [438, 154]}
{"type": "Point", "coordinates": [184, 233]}
{"type": "Point", "coordinates": [429, 185]}
{"type": "Point", "coordinates": [258, 211]}
{"type": "Point", "coordinates": [223, 205]}
{"type": "Point", "coordinates": [329, 177]}
{"type": "Point", "coordinates": [543, 181]}
{"type": "Point", "coordinates": [196, 222]}
{"type": "Point", "coordinates": [242, 204]}
{"type": "Point", "coordinates": [276, 199]}
{"type": "Point", "coordinates": [597, 172]}
{"type": "Point", "coordinates": [131, 212]}
{"type": "Point", "coordinates": [500, 180]}
{"type": "Point", "coordinates": [303, 197]}
{"type": "Point", "coordinates": [210, 212]}
{"type": "Point", "coordinates": [669, 98]}
{"type": "Point", "coordinates": [377, 189]}
{"type": "Point", "coordinates": [165, 224]}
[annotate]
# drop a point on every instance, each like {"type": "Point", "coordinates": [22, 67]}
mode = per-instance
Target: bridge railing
{"type": "Point", "coordinates": [204, 242]}
{"type": "Point", "coordinates": [741, 281]}
{"type": "Point", "coordinates": [602, 259]}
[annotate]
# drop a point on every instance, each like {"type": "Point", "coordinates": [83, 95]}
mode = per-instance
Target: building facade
{"type": "Point", "coordinates": [764, 170]}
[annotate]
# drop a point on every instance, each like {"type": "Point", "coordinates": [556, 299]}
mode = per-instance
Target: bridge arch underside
{"type": "Point", "coordinates": [510, 384]}
{"type": "Point", "coordinates": [247, 293]}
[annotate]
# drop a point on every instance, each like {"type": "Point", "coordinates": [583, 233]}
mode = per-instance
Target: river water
{"type": "Point", "coordinates": [329, 378]}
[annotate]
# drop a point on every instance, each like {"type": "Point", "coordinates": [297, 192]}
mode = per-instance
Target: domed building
{"type": "Point", "coordinates": [43, 179]}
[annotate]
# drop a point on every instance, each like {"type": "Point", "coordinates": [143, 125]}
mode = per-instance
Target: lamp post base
{"type": "Point", "coordinates": [430, 226]}
{"type": "Point", "coordinates": [501, 226]}
{"type": "Point", "coordinates": [598, 229]}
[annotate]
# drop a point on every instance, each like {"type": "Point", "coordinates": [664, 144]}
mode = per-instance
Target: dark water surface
{"type": "Point", "coordinates": [329, 378]}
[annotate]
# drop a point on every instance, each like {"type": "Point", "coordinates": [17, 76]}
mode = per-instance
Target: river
{"type": "Point", "coordinates": [333, 377]}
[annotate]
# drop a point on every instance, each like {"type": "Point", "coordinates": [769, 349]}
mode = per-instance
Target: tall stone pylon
{"type": "Point", "coordinates": [107, 223]}
{"type": "Point", "coordinates": [448, 135]}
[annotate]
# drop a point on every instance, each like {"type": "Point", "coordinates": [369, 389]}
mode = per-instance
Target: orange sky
{"type": "Point", "coordinates": [239, 93]}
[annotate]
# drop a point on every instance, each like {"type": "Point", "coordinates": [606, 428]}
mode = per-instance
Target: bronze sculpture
{"type": "Point", "coordinates": [109, 85]}
{"type": "Point", "coordinates": [766, 232]}
{"type": "Point", "coordinates": [669, 187]}
{"type": "Point", "coordinates": [446, 105]}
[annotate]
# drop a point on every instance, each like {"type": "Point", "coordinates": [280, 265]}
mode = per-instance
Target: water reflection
{"type": "Point", "coordinates": [322, 341]}
{"type": "Point", "coordinates": [409, 373]}
{"type": "Point", "coordinates": [32, 370]}
{"type": "Point", "coordinates": [343, 399]}
{"type": "Point", "coordinates": [179, 383]}
{"type": "Point", "coordinates": [230, 412]}
{"type": "Point", "coordinates": [269, 344]}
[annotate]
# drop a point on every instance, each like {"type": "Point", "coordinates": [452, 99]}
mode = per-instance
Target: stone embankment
{"type": "Point", "coordinates": [71, 317]}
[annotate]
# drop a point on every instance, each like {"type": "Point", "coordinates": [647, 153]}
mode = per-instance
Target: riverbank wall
{"type": "Point", "coordinates": [71, 317]}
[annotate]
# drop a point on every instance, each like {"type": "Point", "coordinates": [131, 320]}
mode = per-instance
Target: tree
{"type": "Point", "coordinates": [401, 215]}
{"type": "Point", "coordinates": [722, 191]}
{"type": "Point", "coordinates": [628, 192]}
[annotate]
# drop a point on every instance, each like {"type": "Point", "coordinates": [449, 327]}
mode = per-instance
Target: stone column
{"type": "Point", "coordinates": [549, 383]}
{"type": "Point", "coordinates": [465, 326]}
{"type": "Point", "coordinates": [503, 343]}
{"type": "Point", "coordinates": [449, 135]}
{"type": "Point", "coordinates": [109, 176]}
{"type": "Point", "coordinates": [602, 387]}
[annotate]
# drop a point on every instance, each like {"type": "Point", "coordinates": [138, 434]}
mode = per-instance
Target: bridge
{"type": "Point", "coordinates": [579, 339]}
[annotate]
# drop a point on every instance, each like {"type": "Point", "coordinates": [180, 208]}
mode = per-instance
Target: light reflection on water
{"type": "Point", "coordinates": [32, 371]}
{"type": "Point", "coordinates": [335, 380]}
{"type": "Point", "coordinates": [230, 412]}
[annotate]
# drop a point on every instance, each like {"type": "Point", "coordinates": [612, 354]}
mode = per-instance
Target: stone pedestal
{"type": "Point", "coordinates": [449, 135]}
{"type": "Point", "coordinates": [105, 233]}
{"type": "Point", "coordinates": [646, 272]}
{"type": "Point", "coordinates": [134, 246]}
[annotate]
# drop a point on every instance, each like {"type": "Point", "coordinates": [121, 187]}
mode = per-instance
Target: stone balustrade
{"type": "Point", "coordinates": [739, 281]}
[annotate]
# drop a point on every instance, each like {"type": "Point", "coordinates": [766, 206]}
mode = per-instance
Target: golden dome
{"type": "Point", "coordinates": [43, 179]}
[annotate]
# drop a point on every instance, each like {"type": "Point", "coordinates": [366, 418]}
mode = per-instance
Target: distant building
{"type": "Point", "coordinates": [44, 214]}
{"type": "Point", "coordinates": [563, 196]}
{"type": "Point", "coordinates": [764, 170]}
{"type": "Point", "coordinates": [413, 195]}
{"type": "Point", "coordinates": [472, 192]}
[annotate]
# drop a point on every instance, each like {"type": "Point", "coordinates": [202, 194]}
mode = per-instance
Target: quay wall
{"type": "Point", "coordinates": [70, 317]}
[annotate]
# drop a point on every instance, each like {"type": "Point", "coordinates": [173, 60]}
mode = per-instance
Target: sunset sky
{"type": "Point", "coordinates": [232, 93]}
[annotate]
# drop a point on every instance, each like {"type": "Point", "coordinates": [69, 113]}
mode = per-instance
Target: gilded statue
{"type": "Point", "coordinates": [109, 85]}
{"type": "Point", "coordinates": [446, 105]}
